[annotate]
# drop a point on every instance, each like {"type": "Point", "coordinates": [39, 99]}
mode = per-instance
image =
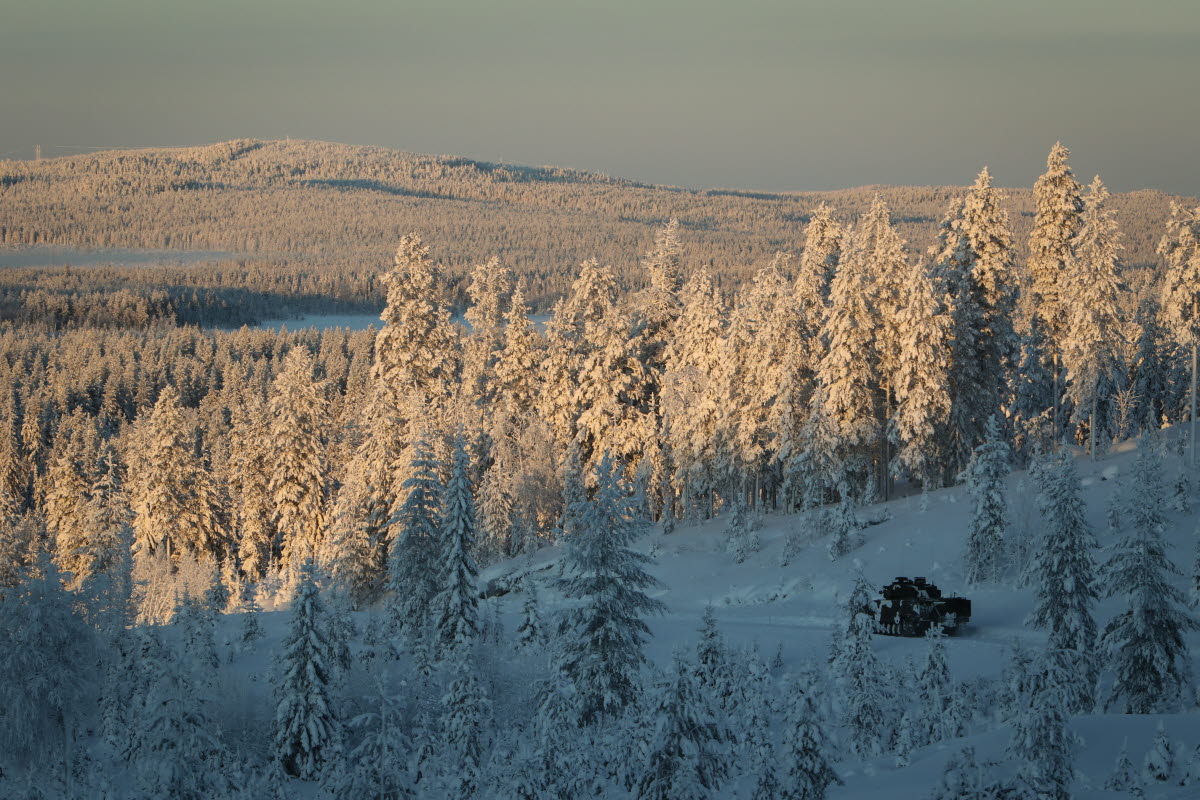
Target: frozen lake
{"type": "Point", "coordinates": [51, 256]}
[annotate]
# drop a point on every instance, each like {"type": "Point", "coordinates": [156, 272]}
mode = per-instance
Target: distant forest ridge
{"type": "Point", "coordinates": [341, 209]}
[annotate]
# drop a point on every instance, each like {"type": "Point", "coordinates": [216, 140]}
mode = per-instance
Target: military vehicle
{"type": "Point", "coordinates": [911, 607]}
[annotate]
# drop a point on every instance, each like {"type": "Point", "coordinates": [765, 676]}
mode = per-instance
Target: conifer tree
{"type": "Point", "coordinates": [174, 503]}
{"type": "Point", "coordinates": [412, 558]}
{"type": "Point", "coordinates": [603, 635]}
{"type": "Point", "coordinates": [1124, 778]}
{"type": "Point", "coordinates": [455, 606]}
{"type": "Point", "coordinates": [1041, 738]}
{"type": "Point", "coordinates": [250, 485]}
{"type": "Point", "coordinates": [806, 760]}
{"type": "Point", "coordinates": [489, 289]}
{"type": "Point", "coordinates": [520, 359]}
{"type": "Point", "coordinates": [857, 670]}
{"type": "Point", "coordinates": [849, 372]}
{"type": "Point", "coordinates": [962, 778]}
{"type": "Point", "coordinates": [985, 483]}
{"type": "Point", "coordinates": [378, 765]}
{"type": "Point", "coordinates": [687, 759]}
{"type": "Point", "coordinates": [1064, 580]}
{"type": "Point", "coordinates": [1058, 207]}
{"type": "Point", "coordinates": [529, 632]}
{"type": "Point", "coordinates": [415, 348]}
{"type": "Point", "coordinates": [921, 380]}
{"type": "Point", "coordinates": [933, 690]}
{"type": "Point", "coordinates": [308, 728]}
{"type": "Point", "coordinates": [1180, 249]}
{"type": "Point", "coordinates": [1145, 643]}
{"type": "Point", "coordinates": [1159, 764]}
{"type": "Point", "coordinates": [1092, 345]}
{"type": "Point", "coordinates": [818, 265]}
{"type": "Point", "coordinates": [713, 671]}
{"type": "Point", "coordinates": [465, 708]}
{"type": "Point", "coordinates": [298, 475]}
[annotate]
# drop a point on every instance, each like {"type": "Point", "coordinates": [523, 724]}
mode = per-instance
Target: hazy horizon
{"type": "Point", "coordinates": [768, 95]}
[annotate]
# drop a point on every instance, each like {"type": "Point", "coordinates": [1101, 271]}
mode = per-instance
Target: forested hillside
{"type": "Point", "coordinates": [342, 208]}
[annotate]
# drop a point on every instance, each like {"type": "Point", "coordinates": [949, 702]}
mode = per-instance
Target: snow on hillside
{"type": "Point", "coordinates": [796, 608]}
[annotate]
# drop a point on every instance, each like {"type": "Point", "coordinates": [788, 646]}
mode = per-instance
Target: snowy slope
{"type": "Point", "coordinates": [796, 608]}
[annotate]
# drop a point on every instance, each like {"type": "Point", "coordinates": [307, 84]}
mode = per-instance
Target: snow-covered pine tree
{"type": "Point", "coordinates": [1180, 249]}
{"type": "Point", "coordinates": [197, 625]}
{"type": "Point", "coordinates": [843, 527]}
{"type": "Point", "coordinates": [1058, 206]}
{"type": "Point", "coordinates": [856, 670]}
{"type": "Point", "coordinates": [741, 537]}
{"type": "Point", "coordinates": [1159, 764]}
{"type": "Point", "coordinates": [1063, 577]}
{"type": "Point", "coordinates": [933, 691]}
{"type": "Point", "coordinates": [529, 631]}
{"type": "Point", "coordinates": [47, 653]}
{"type": "Point", "coordinates": [848, 374]}
{"type": "Point", "coordinates": [962, 778]}
{"type": "Point", "coordinates": [603, 634]}
{"type": "Point", "coordinates": [687, 757]}
{"type": "Point", "coordinates": [455, 607]}
{"type": "Point", "coordinates": [250, 485]}
{"type": "Point", "coordinates": [713, 671]}
{"type": "Point", "coordinates": [415, 349]}
{"type": "Point", "coordinates": [818, 265]}
{"type": "Point", "coordinates": [464, 725]}
{"type": "Point", "coordinates": [378, 764]}
{"type": "Point", "coordinates": [986, 474]}
{"type": "Point", "coordinates": [68, 481]}
{"type": "Point", "coordinates": [308, 727]}
{"type": "Point", "coordinates": [518, 366]}
{"type": "Point", "coordinates": [177, 753]}
{"type": "Point", "coordinates": [412, 558]}
{"type": "Point", "coordinates": [805, 761]}
{"type": "Point", "coordinates": [489, 289]}
{"type": "Point", "coordinates": [174, 503]}
{"type": "Point", "coordinates": [1093, 340]}
{"type": "Point", "coordinates": [920, 382]}
{"type": "Point", "coordinates": [1041, 739]}
{"type": "Point", "coordinates": [1124, 777]}
{"type": "Point", "coordinates": [1145, 644]}
{"type": "Point", "coordinates": [298, 481]}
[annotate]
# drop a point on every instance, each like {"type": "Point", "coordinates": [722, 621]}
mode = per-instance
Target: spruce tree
{"type": "Point", "coordinates": [529, 632]}
{"type": "Point", "coordinates": [603, 634]}
{"type": "Point", "coordinates": [308, 727]}
{"type": "Point", "coordinates": [687, 758]}
{"type": "Point", "coordinates": [921, 379]}
{"type": "Point", "coordinates": [412, 557]}
{"type": "Point", "coordinates": [1093, 340]}
{"type": "Point", "coordinates": [455, 606]}
{"type": "Point", "coordinates": [1124, 778]}
{"type": "Point", "coordinates": [298, 471]}
{"type": "Point", "coordinates": [857, 670]}
{"type": "Point", "coordinates": [1063, 576]}
{"type": "Point", "coordinates": [1041, 739]}
{"type": "Point", "coordinates": [818, 265]}
{"type": "Point", "coordinates": [1058, 207]}
{"type": "Point", "coordinates": [933, 691]}
{"type": "Point", "coordinates": [1144, 643]}
{"type": "Point", "coordinates": [1159, 764]}
{"type": "Point", "coordinates": [465, 708]}
{"type": "Point", "coordinates": [985, 483]}
{"type": "Point", "coordinates": [1180, 249]}
{"type": "Point", "coordinates": [805, 761]}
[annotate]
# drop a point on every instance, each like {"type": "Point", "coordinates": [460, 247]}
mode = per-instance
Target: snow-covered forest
{"type": "Point", "coordinates": [631, 551]}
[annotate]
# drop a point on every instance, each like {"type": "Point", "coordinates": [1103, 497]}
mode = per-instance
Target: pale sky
{"type": "Point", "coordinates": [755, 94]}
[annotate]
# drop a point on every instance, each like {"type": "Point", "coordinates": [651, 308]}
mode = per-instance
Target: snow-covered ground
{"type": "Point", "coordinates": [797, 606]}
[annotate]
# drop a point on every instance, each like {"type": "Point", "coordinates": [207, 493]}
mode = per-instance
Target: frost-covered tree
{"type": "Point", "coordinates": [849, 372]}
{"type": "Point", "coordinates": [46, 658]}
{"type": "Point", "coordinates": [308, 726]}
{"type": "Point", "coordinates": [1180, 249]}
{"type": "Point", "coordinates": [378, 764]}
{"type": "Point", "coordinates": [817, 267]}
{"type": "Point", "coordinates": [687, 758]}
{"type": "Point", "coordinates": [843, 527]}
{"type": "Point", "coordinates": [1144, 643]}
{"type": "Point", "coordinates": [1124, 777]}
{"type": "Point", "coordinates": [415, 348]}
{"type": "Point", "coordinates": [1058, 207]}
{"type": "Point", "coordinates": [963, 779]}
{"type": "Point", "coordinates": [986, 473]}
{"type": "Point", "coordinates": [1159, 764]}
{"type": "Point", "coordinates": [857, 670]}
{"type": "Point", "coordinates": [920, 382]}
{"type": "Point", "coordinates": [529, 631]}
{"type": "Point", "coordinates": [412, 559]}
{"type": "Point", "coordinates": [1093, 339]}
{"type": "Point", "coordinates": [1063, 576]}
{"type": "Point", "coordinates": [603, 632]}
{"type": "Point", "coordinates": [713, 671]}
{"type": "Point", "coordinates": [298, 471]}
{"type": "Point", "coordinates": [489, 289]}
{"type": "Point", "coordinates": [250, 468]}
{"type": "Point", "coordinates": [456, 605]}
{"type": "Point", "coordinates": [805, 760]}
{"type": "Point", "coordinates": [933, 691]}
{"type": "Point", "coordinates": [517, 369]}
{"type": "Point", "coordinates": [174, 502]}
{"type": "Point", "coordinates": [177, 753]}
{"type": "Point", "coordinates": [1041, 738]}
{"type": "Point", "coordinates": [464, 725]}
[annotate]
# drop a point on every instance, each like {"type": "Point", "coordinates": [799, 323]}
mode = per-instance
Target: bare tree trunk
{"type": "Point", "coordinates": [1092, 428]}
{"type": "Point", "coordinates": [1193, 426]}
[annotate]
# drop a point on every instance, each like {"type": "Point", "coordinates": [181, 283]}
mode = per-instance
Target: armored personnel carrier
{"type": "Point", "coordinates": [911, 607]}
